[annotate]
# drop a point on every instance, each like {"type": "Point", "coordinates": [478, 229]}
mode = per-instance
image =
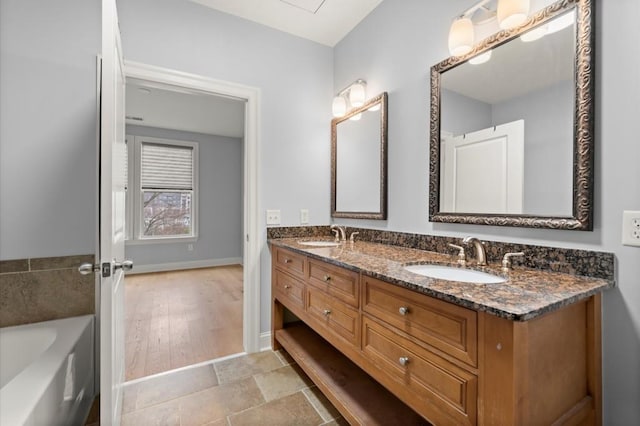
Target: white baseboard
{"type": "Point", "coordinates": [177, 266]}
{"type": "Point", "coordinates": [265, 341]}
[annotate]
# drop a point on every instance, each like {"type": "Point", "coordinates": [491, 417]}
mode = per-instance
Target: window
{"type": "Point", "coordinates": [164, 196]}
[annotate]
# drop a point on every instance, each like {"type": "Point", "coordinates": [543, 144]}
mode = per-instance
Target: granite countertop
{"type": "Point", "coordinates": [526, 294]}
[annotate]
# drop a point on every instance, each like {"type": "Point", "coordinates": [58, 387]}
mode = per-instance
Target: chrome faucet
{"type": "Point", "coordinates": [481, 255]}
{"type": "Point", "coordinates": [342, 230]}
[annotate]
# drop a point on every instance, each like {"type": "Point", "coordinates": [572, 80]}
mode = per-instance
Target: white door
{"type": "Point", "coordinates": [483, 171]}
{"type": "Point", "coordinates": [112, 218]}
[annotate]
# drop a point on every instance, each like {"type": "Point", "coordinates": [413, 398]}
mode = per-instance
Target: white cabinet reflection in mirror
{"type": "Point", "coordinates": [469, 185]}
{"type": "Point", "coordinates": [358, 164]}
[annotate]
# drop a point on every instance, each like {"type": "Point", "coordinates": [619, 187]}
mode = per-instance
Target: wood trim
{"type": "Point", "coordinates": [358, 397]}
{"type": "Point", "coordinates": [594, 352]}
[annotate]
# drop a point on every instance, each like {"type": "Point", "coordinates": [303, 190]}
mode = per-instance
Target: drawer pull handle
{"type": "Point", "coordinates": [404, 310]}
{"type": "Point", "coordinates": [403, 360]}
{"type": "Point", "coordinates": [326, 278]}
{"type": "Point", "coordinates": [286, 287]}
{"type": "Point", "coordinates": [287, 261]}
{"type": "Point", "coordinates": [326, 311]}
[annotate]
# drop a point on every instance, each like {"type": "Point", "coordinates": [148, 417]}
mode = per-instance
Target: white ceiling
{"type": "Point", "coordinates": [167, 107]}
{"type": "Point", "coordinates": [323, 21]}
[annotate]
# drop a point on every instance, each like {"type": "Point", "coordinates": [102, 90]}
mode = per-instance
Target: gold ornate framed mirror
{"type": "Point", "coordinates": [511, 139]}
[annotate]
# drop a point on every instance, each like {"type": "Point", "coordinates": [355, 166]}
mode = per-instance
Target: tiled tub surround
{"type": "Point", "coordinates": [571, 261]}
{"type": "Point", "coordinates": [42, 289]}
{"type": "Point", "coordinates": [527, 293]}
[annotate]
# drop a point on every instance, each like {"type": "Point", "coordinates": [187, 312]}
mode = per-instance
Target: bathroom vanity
{"type": "Point", "coordinates": [376, 338]}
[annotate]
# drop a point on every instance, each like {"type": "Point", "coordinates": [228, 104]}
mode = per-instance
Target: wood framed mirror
{"type": "Point", "coordinates": [511, 139]}
{"type": "Point", "coordinates": [359, 162]}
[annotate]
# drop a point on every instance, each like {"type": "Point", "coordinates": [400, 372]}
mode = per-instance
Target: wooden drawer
{"type": "Point", "coordinates": [288, 290]}
{"type": "Point", "coordinates": [289, 261]}
{"type": "Point", "coordinates": [337, 317]}
{"type": "Point", "coordinates": [433, 386]}
{"type": "Point", "coordinates": [447, 327]}
{"type": "Point", "coordinates": [336, 281]}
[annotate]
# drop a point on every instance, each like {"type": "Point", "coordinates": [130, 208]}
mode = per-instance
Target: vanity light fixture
{"type": "Point", "coordinates": [481, 59]}
{"type": "Point", "coordinates": [512, 13]}
{"type": "Point", "coordinates": [509, 14]}
{"type": "Point", "coordinates": [555, 25]}
{"type": "Point", "coordinates": [461, 36]}
{"type": "Point", "coordinates": [535, 34]}
{"type": "Point", "coordinates": [354, 95]}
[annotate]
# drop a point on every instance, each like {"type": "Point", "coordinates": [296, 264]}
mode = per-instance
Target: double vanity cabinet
{"type": "Point", "coordinates": [376, 340]}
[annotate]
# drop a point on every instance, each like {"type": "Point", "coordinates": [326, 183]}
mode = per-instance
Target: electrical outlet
{"type": "Point", "coordinates": [631, 228]}
{"type": "Point", "coordinates": [189, 247]}
{"type": "Point", "coordinates": [304, 216]}
{"type": "Point", "coordinates": [273, 217]}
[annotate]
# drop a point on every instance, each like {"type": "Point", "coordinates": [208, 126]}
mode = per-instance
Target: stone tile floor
{"type": "Point", "coordinates": [265, 388]}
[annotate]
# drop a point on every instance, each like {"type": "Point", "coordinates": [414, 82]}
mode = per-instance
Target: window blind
{"type": "Point", "coordinates": [166, 167]}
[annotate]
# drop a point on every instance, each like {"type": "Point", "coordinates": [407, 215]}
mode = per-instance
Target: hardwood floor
{"type": "Point", "coordinates": [175, 319]}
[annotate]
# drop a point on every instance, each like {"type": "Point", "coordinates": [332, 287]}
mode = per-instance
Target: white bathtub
{"type": "Point", "coordinates": [47, 372]}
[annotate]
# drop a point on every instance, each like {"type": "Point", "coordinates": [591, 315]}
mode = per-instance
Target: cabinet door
{"type": "Point", "coordinates": [447, 327]}
{"type": "Point", "coordinates": [333, 316]}
{"type": "Point", "coordinates": [433, 386]}
{"type": "Point", "coordinates": [288, 261]}
{"type": "Point", "coordinates": [338, 282]}
{"type": "Point", "coordinates": [288, 290]}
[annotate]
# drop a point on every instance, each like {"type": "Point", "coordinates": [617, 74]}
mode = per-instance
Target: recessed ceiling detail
{"type": "Point", "coordinates": [311, 6]}
{"type": "Point", "coordinates": [323, 21]}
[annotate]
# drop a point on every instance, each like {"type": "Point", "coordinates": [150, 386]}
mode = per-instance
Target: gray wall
{"type": "Point", "coordinates": [548, 132]}
{"type": "Point", "coordinates": [295, 79]}
{"type": "Point", "coordinates": [220, 213]}
{"type": "Point", "coordinates": [48, 127]}
{"type": "Point", "coordinates": [398, 60]}
{"type": "Point", "coordinates": [462, 114]}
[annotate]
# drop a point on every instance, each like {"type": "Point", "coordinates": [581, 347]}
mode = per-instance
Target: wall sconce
{"type": "Point", "coordinates": [509, 13]}
{"type": "Point", "coordinates": [354, 94]}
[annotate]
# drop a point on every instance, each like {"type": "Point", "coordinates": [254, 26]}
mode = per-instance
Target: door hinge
{"type": "Point", "coordinates": [106, 269]}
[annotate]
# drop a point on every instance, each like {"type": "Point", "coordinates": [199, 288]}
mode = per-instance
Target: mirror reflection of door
{"type": "Point", "coordinates": [483, 171]}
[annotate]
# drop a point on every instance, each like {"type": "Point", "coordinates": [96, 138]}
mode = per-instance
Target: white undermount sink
{"type": "Point", "coordinates": [319, 243]}
{"type": "Point", "coordinates": [455, 274]}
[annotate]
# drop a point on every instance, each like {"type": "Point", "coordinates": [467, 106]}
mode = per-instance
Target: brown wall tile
{"type": "Point", "coordinates": [61, 262]}
{"type": "Point", "coordinates": [17, 265]}
{"type": "Point", "coordinates": [28, 297]}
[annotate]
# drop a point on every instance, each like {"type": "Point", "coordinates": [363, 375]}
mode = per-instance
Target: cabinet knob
{"type": "Point", "coordinates": [287, 261]}
{"type": "Point", "coordinates": [287, 286]}
{"type": "Point", "coordinates": [404, 310]}
{"type": "Point", "coordinates": [326, 278]}
{"type": "Point", "coordinates": [326, 311]}
{"type": "Point", "coordinates": [403, 360]}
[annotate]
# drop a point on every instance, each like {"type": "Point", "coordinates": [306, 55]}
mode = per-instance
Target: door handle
{"type": "Point", "coordinates": [126, 265]}
{"type": "Point", "coordinates": [88, 268]}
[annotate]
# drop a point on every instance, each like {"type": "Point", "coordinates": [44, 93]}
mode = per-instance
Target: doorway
{"type": "Point", "coordinates": [248, 238]}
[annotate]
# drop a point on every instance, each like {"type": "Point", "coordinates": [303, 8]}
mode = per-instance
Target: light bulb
{"type": "Point", "coordinates": [534, 34]}
{"type": "Point", "coordinates": [461, 37]}
{"type": "Point", "coordinates": [375, 107]}
{"type": "Point", "coordinates": [481, 58]}
{"type": "Point", "coordinates": [512, 13]}
{"type": "Point", "coordinates": [356, 117]}
{"type": "Point", "coordinates": [561, 22]}
{"type": "Point", "coordinates": [357, 94]}
{"type": "Point", "coordinates": [339, 106]}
